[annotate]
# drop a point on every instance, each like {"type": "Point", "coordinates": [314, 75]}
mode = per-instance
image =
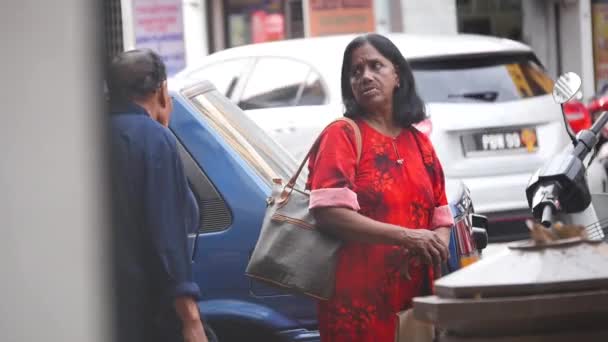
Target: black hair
{"type": "Point", "coordinates": [408, 107]}
{"type": "Point", "coordinates": [134, 74]}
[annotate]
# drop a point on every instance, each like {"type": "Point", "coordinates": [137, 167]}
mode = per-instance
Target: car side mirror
{"type": "Point", "coordinates": [565, 89]}
{"type": "Point", "coordinates": [480, 233]}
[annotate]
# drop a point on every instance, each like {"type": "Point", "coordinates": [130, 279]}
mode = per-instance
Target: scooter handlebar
{"type": "Point", "coordinates": [547, 217]}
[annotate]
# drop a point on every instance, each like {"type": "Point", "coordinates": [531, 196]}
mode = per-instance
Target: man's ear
{"type": "Point", "coordinates": [163, 95]}
{"type": "Point", "coordinates": [164, 103]}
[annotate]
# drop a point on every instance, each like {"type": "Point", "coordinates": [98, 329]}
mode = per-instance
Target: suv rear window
{"type": "Point", "coordinates": [487, 78]}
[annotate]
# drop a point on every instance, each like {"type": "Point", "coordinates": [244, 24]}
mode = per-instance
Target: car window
{"type": "Point", "coordinates": [313, 92]}
{"type": "Point", "coordinates": [259, 150]}
{"type": "Point", "coordinates": [224, 75]}
{"type": "Point", "coordinates": [277, 82]}
{"type": "Point", "coordinates": [485, 78]}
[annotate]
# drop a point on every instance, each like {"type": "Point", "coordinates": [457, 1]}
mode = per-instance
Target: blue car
{"type": "Point", "coordinates": [230, 163]}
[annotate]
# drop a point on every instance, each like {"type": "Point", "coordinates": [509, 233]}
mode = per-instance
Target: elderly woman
{"type": "Point", "coordinates": [390, 208]}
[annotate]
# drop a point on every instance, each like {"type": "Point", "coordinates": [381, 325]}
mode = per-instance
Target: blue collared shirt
{"type": "Point", "coordinates": [154, 210]}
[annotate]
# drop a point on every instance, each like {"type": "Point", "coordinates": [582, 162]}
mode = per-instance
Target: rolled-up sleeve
{"type": "Point", "coordinates": [442, 217]}
{"type": "Point", "coordinates": [334, 197]}
{"type": "Point", "coordinates": [332, 169]}
{"type": "Point", "coordinates": [168, 219]}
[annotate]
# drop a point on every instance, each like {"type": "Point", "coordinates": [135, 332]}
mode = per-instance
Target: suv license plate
{"type": "Point", "coordinates": [516, 140]}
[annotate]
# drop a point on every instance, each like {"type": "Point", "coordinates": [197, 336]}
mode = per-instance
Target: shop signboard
{"type": "Point", "coordinates": [600, 43]}
{"type": "Point", "coordinates": [158, 25]}
{"type": "Point", "coordinates": [327, 17]}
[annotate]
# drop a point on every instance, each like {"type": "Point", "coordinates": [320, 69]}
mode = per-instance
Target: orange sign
{"type": "Point", "coordinates": [528, 137]}
{"type": "Point", "coordinates": [327, 17]}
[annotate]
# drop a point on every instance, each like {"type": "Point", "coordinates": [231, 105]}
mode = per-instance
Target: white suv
{"type": "Point", "coordinates": [493, 119]}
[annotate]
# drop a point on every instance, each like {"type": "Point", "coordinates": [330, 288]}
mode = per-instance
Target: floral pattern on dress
{"type": "Point", "coordinates": [371, 285]}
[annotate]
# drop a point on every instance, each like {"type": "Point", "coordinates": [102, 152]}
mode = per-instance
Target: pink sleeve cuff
{"type": "Point", "coordinates": [334, 197]}
{"type": "Point", "coordinates": [442, 217]}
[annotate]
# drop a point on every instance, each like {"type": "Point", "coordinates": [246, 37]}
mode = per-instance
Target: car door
{"type": "Point", "coordinates": [231, 165]}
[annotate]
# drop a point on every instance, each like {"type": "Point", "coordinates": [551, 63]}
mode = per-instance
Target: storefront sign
{"type": "Point", "coordinates": [600, 44]}
{"type": "Point", "coordinates": [158, 26]}
{"type": "Point", "coordinates": [327, 17]}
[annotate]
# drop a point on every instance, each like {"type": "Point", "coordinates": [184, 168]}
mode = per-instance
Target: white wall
{"type": "Point", "coordinates": [576, 42]}
{"type": "Point", "coordinates": [539, 33]}
{"type": "Point", "coordinates": [128, 30]}
{"type": "Point", "coordinates": [429, 16]}
{"type": "Point", "coordinates": [382, 16]}
{"type": "Point", "coordinates": [570, 38]}
{"type": "Point", "coordinates": [586, 44]}
{"type": "Point", "coordinates": [576, 45]}
{"type": "Point", "coordinates": [195, 30]}
{"type": "Point", "coordinates": [55, 278]}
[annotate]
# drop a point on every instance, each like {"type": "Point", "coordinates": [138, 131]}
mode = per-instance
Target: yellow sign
{"type": "Point", "coordinates": [519, 80]}
{"type": "Point", "coordinates": [327, 17]}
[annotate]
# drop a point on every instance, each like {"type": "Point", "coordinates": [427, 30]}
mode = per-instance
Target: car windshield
{"type": "Point", "coordinates": [260, 151]}
{"type": "Point", "coordinates": [483, 79]}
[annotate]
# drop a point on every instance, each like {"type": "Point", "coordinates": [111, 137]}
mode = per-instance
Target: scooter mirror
{"type": "Point", "coordinates": [566, 87]}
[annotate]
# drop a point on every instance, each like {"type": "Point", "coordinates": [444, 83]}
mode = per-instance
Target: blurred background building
{"type": "Point", "coordinates": [567, 35]}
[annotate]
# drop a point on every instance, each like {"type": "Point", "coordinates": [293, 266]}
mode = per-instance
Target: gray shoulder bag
{"type": "Point", "coordinates": [291, 252]}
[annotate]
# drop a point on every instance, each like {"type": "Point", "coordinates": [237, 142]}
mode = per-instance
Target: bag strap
{"type": "Point", "coordinates": [358, 146]}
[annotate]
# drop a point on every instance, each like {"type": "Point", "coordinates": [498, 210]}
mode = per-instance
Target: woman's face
{"type": "Point", "coordinates": [373, 78]}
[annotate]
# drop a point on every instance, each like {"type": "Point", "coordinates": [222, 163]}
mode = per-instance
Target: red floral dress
{"type": "Point", "coordinates": [371, 287]}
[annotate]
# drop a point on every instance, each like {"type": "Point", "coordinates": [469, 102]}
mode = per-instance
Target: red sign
{"type": "Point", "coordinates": [267, 27]}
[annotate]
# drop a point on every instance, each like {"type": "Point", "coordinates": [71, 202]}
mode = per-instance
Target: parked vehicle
{"type": "Point", "coordinates": [231, 164]}
{"type": "Point", "coordinates": [598, 104]}
{"type": "Point", "coordinates": [578, 115]}
{"type": "Point", "coordinates": [493, 121]}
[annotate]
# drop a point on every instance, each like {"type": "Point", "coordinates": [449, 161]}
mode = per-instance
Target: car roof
{"type": "Point", "coordinates": [323, 50]}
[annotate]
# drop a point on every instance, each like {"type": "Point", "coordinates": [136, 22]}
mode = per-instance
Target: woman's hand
{"type": "Point", "coordinates": [426, 244]}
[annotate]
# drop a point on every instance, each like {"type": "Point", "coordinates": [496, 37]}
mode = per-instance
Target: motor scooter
{"type": "Point", "coordinates": [552, 278]}
{"type": "Point", "coordinates": [559, 190]}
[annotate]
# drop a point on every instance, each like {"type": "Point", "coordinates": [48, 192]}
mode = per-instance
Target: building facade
{"type": "Point", "coordinates": [567, 35]}
{"type": "Point", "coordinates": [560, 31]}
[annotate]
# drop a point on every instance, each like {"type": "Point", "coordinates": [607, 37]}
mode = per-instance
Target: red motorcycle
{"type": "Point", "coordinates": [597, 105]}
{"type": "Point", "coordinates": [578, 115]}
{"type": "Point", "coordinates": [581, 117]}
